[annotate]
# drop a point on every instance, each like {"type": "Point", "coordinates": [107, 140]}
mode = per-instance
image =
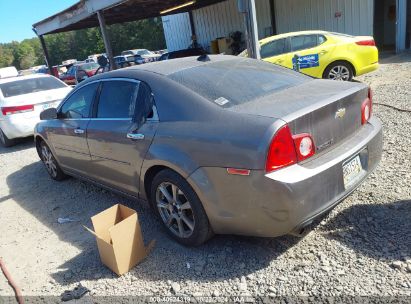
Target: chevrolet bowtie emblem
{"type": "Point", "coordinates": [340, 113]}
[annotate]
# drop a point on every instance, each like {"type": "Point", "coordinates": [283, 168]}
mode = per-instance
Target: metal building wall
{"type": "Point", "coordinates": [177, 31]}
{"type": "Point", "coordinates": [295, 15]}
{"type": "Point", "coordinates": [212, 22]}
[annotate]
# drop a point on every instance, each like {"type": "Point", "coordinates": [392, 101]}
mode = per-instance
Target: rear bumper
{"type": "Point", "coordinates": [282, 202]}
{"type": "Point", "coordinates": [19, 125]}
{"type": "Point", "coordinates": [367, 69]}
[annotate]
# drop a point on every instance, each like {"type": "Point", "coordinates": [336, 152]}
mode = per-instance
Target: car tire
{"type": "Point", "coordinates": [179, 209]}
{"type": "Point", "coordinates": [50, 162]}
{"type": "Point", "coordinates": [5, 141]}
{"type": "Point", "coordinates": [339, 70]}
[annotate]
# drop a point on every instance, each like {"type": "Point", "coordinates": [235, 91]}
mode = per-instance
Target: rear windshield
{"type": "Point", "coordinates": [27, 86]}
{"type": "Point", "coordinates": [233, 82]}
{"type": "Point", "coordinates": [90, 66]}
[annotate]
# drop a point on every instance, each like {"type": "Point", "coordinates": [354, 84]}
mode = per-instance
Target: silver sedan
{"type": "Point", "coordinates": [216, 144]}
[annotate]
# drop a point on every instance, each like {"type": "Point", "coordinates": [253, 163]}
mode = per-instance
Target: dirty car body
{"type": "Point", "coordinates": [264, 149]}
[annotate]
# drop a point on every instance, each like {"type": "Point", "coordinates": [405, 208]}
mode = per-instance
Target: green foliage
{"type": "Point", "coordinates": [145, 34]}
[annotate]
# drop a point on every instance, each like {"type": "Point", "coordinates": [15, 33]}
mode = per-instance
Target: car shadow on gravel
{"type": "Point", "coordinates": [21, 144]}
{"type": "Point", "coordinates": [221, 258]}
{"type": "Point", "coordinates": [379, 231]}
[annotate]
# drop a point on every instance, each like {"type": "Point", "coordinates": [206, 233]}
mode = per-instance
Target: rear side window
{"type": "Point", "coordinates": [303, 42]}
{"type": "Point", "coordinates": [117, 99]}
{"type": "Point", "coordinates": [78, 105]}
{"type": "Point", "coordinates": [27, 86]}
{"type": "Point", "coordinates": [321, 39]}
{"type": "Point", "coordinates": [273, 48]}
{"type": "Point", "coordinates": [233, 82]}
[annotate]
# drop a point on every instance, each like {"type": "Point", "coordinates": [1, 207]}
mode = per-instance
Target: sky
{"type": "Point", "coordinates": [18, 16]}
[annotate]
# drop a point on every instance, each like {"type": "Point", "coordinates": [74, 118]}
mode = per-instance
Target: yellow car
{"type": "Point", "coordinates": [322, 54]}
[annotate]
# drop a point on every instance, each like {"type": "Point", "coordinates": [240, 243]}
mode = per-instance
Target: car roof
{"type": "Point", "coordinates": [169, 67]}
{"type": "Point", "coordinates": [286, 35]}
{"type": "Point", "coordinates": [17, 78]}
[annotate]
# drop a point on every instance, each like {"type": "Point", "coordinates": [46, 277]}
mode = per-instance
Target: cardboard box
{"type": "Point", "coordinates": [119, 238]}
{"type": "Point", "coordinates": [224, 45]}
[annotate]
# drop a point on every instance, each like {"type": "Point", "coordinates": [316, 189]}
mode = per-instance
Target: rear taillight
{"type": "Point", "coordinates": [286, 150]}
{"type": "Point", "coordinates": [369, 42]}
{"type": "Point", "coordinates": [304, 145]}
{"type": "Point", "coordinates": [17, 109]}
{"type": "Point", "coordinates": [366, 108]}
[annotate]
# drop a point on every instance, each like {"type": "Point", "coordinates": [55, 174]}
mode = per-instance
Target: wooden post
{"type": "Point", "coordinates": [106, 39]}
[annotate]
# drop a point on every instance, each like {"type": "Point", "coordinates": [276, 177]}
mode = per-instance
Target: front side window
{"type": "Point", "coordinates": [78, 105]}
{"type": "Point", "coordinates": [143, 52]}
{"type": "Point", "coordinates": [273, 48]}
{"type": "Point", "coordinates": [117, 99]}
{"type": "Point", "coordinates": [28, 86]}
{"type": "Point", "coordinates": [303, 42]}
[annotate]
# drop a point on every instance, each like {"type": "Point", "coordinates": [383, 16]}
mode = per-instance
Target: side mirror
{"type": "Point", "coordinates": [49, 114]}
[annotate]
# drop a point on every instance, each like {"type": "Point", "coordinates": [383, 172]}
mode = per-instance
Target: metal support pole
{"type": "Point", "coordinates": [106, 39]}
{"type": "Point", "coordinates": [193, 30]}
{"type": "Point", "coordinates": [273, 21]}
{"type": "Point", "coordinates": [247, 7]}
{"type": "Point", "coordinates": [46, 52]}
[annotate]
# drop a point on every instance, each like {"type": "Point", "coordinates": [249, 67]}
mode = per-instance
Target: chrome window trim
{"type": "Point", "coordinates": [98, 81]}
{"type": "Point", "coordinates": [155, 117]}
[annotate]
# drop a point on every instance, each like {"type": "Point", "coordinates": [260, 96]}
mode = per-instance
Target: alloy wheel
{"type": "Point", "coordinates": [340, 73]}
{"type": "Point", "coordinates": [49, 161]}
{"type": "Point", "coordinates": [175, 210]}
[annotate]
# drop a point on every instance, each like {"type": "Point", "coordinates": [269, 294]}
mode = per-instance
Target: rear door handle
{"type": "Point", "coordinates": [135, 136]}
{"type": "Point", "coordinates": [78, 131]}
{"type": "Point", "coordinates": [323, 52]}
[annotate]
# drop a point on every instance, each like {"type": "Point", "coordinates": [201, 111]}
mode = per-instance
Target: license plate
{"type": "Point", "coordinates": [351, 171]}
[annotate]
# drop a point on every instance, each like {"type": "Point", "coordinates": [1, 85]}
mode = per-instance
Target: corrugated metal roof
{"type": "Point", "coordinates": [83, 14]}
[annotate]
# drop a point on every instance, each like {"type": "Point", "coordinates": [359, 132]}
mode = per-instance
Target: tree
{"type": "Point", "coordinates": [146, 34]}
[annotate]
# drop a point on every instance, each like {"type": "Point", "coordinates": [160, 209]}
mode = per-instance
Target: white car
{"type": "Point", "coordinates": [22, 99]}
{"type": "Point", "coordinates": [147, 55]}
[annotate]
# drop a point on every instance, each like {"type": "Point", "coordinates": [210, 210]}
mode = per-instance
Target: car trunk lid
{"type": "Point", "coordinates": [328, 110]}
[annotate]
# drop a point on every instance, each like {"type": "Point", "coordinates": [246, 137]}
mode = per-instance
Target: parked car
{"type": "Point", "coordinates": [70, 76]}
{"type": "Point", "coordinates": [143, 53]}
{"type": "Point", "coordinates": [322, 54]}
{"type": "Point", "coordinates": [22, 99]}
{"type": "Point", "coordinates": [182, 54]}
{"type": "Point", "coordinates": [121, 61]}
{"type": "Point", "coordinates": [217, 145]}
{"type": "Point", "coordinates": [94, 57]}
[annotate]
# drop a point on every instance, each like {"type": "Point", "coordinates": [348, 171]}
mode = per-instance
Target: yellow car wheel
{"type": "Point", "coordinates": [339, 70]}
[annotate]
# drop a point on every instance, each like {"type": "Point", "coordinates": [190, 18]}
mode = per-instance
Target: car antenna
{"type": "Point", "coordinates": [204, 58]}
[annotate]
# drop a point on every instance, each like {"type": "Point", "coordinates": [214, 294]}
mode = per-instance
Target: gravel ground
{"type": "Point", "coordinates": [362, 248]}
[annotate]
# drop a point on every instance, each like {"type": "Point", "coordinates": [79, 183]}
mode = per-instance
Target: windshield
{"type": "Point", "coordinates": [27, 86]}
{"type": "Point", "coordinates": [233, 82]}
{"type": "Point", "coordinates": [143, 52]}
{"type": "Point", "coordinates": [125, 53]}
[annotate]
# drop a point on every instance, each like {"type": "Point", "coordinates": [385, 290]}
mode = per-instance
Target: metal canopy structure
{"type": "Point", "coordinates": [83, 14]}
{"type": "Point", "coordinates": [93, 13]}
